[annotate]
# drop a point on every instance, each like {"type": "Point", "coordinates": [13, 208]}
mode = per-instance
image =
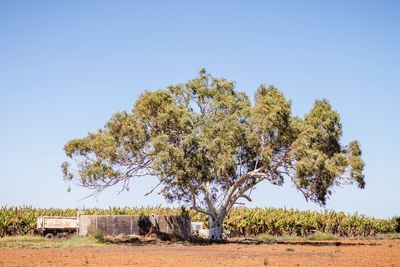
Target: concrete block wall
{"type": "Point", "coordinates": [178, 226]}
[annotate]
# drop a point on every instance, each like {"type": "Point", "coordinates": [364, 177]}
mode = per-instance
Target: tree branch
{"type": "Point", "coordinates": [208, 198]}
{"type": "Point", "coordinates": [154, 188]}
{"type": "Point", "coordinates": [246, 197]}
{"type": "Point", "coordinates": [194, 202]}
{"type": "Point", "coordinates": [237, 185]}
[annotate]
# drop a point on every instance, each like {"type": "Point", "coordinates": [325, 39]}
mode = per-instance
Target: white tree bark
{"type": "Point", "coordinates": [237, 190]}
{"type": "Point", "coordinates": [215, 226]}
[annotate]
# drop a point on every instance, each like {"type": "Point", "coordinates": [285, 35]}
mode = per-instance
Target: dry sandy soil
{"type": "Point", "coordinates": [369, 253]}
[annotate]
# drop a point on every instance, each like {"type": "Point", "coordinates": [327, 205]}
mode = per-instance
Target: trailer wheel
{"type": "Point", "coordinates": [49, 235]}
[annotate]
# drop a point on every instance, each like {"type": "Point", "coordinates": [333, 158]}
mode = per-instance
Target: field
{"type": "Point", "coordinates": [35, 251]}
{"type": "Point", "coordinates": [279, 237]}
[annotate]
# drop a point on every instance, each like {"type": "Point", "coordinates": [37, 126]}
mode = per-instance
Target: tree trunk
{"type": "Point", "coordinates": [215, 225]}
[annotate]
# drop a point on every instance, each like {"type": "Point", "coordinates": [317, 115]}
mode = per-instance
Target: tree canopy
{"type": "Point", "coordinates": [209, 146]}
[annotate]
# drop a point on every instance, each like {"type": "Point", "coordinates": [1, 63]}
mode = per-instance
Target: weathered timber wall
{"type": "Point", "coordinates": [177, 226]}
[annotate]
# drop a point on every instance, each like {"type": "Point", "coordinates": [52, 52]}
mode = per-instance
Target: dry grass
{"type": "Point", "coordinates": [30, 241]}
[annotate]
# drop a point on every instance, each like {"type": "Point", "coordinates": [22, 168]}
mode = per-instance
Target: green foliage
{"type": "Point", "coordinates": [304, 223]}
{"type": "Point", "coordinates": [99, 236]}
{"type": "Point", "coordinates": [239, 222]}
{"type": "Point", "coordinates": [321, 160]}
{"type": "Point", "coordinates": [270, 119]}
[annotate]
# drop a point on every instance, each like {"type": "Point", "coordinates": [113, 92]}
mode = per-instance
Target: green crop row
{"type": "Point", "coordinates": [239, 222]}
{"type": "Point", "coordinates": [256, 221]}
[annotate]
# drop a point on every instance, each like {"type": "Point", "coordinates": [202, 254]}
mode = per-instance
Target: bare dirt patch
{"type": "Point", "coordinates": [360, 253]}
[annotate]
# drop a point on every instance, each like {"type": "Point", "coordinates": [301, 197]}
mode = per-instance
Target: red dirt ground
{"type": "Point", "coordinates": [383, 253]}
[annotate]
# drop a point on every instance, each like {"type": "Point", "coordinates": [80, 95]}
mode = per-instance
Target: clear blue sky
{"type": "Point", "coordinates": [67, 66]}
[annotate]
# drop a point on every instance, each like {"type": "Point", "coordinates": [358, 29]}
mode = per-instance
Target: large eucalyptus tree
{"type": "Point", "coordinates": [209, 147]}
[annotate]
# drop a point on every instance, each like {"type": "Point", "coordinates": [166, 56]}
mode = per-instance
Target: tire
{"type": "Point", "coordinates": [61, 234]}
{"type": "Point", "coordinates": [49, 235]}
